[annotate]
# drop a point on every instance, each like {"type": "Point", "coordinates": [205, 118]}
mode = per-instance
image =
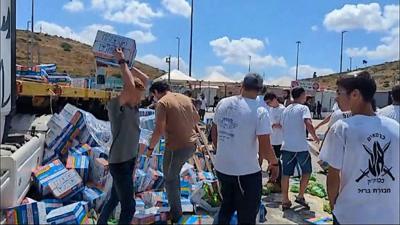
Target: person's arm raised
{"type": "Point", "coordinates": [127, 76]}
{"type": "Point", "coordinates": [139, 74]}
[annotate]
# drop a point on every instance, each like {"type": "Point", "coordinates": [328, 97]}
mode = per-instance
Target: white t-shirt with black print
{"type": "Point", "coordinates": [391, 111]}
{"type": "Point", "coordinates": [294, 128]}
{"type": "Point", "coordinates": [366, 151]}
{"type": "Point", "coordinates": [338, 115]}
{"type": "Point", "coordinates": [239, 121]}
{"type": "Point", "coordinates": [275, 115]}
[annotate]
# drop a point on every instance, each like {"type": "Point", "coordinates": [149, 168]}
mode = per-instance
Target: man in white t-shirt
{"type": "Point", "coordinates": [295, 150]}
{"type": "Point", "coordinates": [203, 106]}
{"type": "Point", "coordinates": [241, 133]}
{"type": "Point", "coordinates": [393, 111]}
{"type": "Point", "coordinates": [362, 152]}
{"type": "Point", "coordinates": [341, 113]}
{"type": "Point", "coordinates": [275, 111]}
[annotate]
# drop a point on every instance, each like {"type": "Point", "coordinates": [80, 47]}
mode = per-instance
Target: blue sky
{"type": "Point", "coordinates": [226, 32]}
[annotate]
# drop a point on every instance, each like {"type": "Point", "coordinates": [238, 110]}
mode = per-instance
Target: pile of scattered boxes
{"type": "Point", "coordinates": [74, 180]}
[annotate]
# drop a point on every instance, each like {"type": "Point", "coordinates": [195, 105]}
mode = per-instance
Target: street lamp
{"type": "Point", "coordinates": [297, 60]}
{"type": "Point", "coordinates": [341, 51]}
{"type": "Point", "coordinates": [179, 46]}
{"type": "Point", "coordinates": [191, 40]}
{"type": "Point", "coordinates": [168, 60]}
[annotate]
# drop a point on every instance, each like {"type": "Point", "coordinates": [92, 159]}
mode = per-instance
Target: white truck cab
{"type": "Point", "coordinates": [20, 150]}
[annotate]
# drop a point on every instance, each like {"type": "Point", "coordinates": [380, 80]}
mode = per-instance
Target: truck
{"type": "Point", "coordinates": [22, 134]}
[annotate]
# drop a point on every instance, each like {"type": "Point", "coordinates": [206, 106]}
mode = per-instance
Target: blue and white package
{"type": "Point", "coordinates": [43, 175]}
{"type": "Point", "coordinates": [80, 163]}
{"type": "Point", "coordinates": [94, 197]}
{"type": "Point", "coordinates": [67, 185]}
{"type": "Point", "coordinates": [32, 213]}
{"type": "Point", "coordinates": [71, 214]}
{"type": "Point", "coordinates": [52, 204]}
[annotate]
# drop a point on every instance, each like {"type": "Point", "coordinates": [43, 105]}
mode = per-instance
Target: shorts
{"type": "Point", "coordinates": [290, 160]}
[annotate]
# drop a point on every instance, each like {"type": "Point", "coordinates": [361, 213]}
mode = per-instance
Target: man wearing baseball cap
{"type": "Point", "coordinates": [241, 133]}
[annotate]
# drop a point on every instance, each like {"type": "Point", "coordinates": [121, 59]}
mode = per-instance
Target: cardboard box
{"type": "Point", "coordinates": [98, 152]}
{"type": "Point", "coordinates": [94, 197]}
{"type": "Point", "coordinates": [43, 175]}
{"type": "Point", "coordinates": [143, 219]}
{"type": "Point", "coordinates": [32, 213]}
{"type": "Point", "coordinates": [195, 219]}
{"type": "Point", "coordinates": [80, 163]}
{"type": "Point", "coordinates": [68, 111]}
{"type": "Point", "coordinates": [67, 185]}
{"type": "Point", "coordinates": [80, 149]}
{"type": "Point", "coordinates": [70, 214]}
{"type": "Point", "coordinates": [100, 169]}
{"type": "Point", "coordinates": [52, 204]}
{"type": "Point", "coordinates": [186, 188]}
{"type": "Point", "coordinates": [27, 201]}
{"type": "Point", "coordinates": [57, 124]}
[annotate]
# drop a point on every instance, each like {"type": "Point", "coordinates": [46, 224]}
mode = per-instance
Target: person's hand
{"type": "Point", "coordinates": [149, 152]}
{"type": "Point", "coordinates": [273, 170]}
{"type": "Point", "coordinates": [119, 54]}
{"type": "Point", "coordinates": [316, 139]}
{"type": "Point", "coordinates": [276, 125]}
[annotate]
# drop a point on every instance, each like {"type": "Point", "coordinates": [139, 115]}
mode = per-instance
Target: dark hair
{"type": "Point", "coordinates": [160, 86]}
{"type": "Point", "coordinates": [396, 93]}
{"type": "Point", "coordinates": [362, 82]}
{"type": "Point", "coordinates": [270, 96]}
{"type": "Point", "coordinates": [264, 90]}
{"type": "Point", "coordinates": [297, 92]}
{"type": "Point", "coordinates": [188, 93]}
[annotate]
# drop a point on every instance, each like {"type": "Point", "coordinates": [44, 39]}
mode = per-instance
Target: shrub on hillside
{"type": "Point", "coordinates": [67, 47]}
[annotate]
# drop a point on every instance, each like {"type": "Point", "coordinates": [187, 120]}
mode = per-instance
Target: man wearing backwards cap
{"type": "Point", "coordinates": [241, 133]}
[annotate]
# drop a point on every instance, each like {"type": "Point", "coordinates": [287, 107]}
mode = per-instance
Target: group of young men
{"type": "Point", "coordinates": [361, 150]}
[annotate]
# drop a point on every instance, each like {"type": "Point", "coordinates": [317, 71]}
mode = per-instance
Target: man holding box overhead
{"type": "Point", "coordinates": [123, 113]}
{"type": "Point", "coordinates": [176, 119]}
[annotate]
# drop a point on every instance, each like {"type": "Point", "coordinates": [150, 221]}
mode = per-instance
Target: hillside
{"type": "Point", "coordinates": [79, 61]}
{"type": "Point", "coordinates": [385, 75]}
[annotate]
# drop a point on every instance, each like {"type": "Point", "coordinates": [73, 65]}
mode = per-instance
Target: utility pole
{"type": "Point", "coordinates": [249, 63]}
{"type": "Point", "coordinates": [168, 60]}
{"type": "Point", "coordinates": [29, 45]}
{"type": "Point", "coordinates": [32, 16]}
{"type": "Point", "coordinates": [191, 41]}
{"type": "Point", "coordinates": [351, 59]}
{"type": "Point", "coordinates": [297, 60]}
{"type": "Point", "coordinates": [179, 46]}
{"type": "Point", "coordinates": [341, 51]}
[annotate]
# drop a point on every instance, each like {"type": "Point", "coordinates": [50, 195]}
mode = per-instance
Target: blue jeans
{"type": "Point", "coordinates": [173, 162]}
{"type": "Point", "coordinates": [121, 192]}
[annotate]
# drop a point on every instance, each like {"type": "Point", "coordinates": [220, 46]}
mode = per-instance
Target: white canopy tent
{"type": "Point", "coordinates": [176, 76]}
{"type": "Point", "coordinates": [218, 78]}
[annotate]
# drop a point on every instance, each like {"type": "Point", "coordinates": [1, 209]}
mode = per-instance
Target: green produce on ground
{"type": "Point", "coordinates": [295, 188]}
{"type": "Point", "coordinates": [314, 188]}
{"type": "Point", "coordinates": [327, 208]}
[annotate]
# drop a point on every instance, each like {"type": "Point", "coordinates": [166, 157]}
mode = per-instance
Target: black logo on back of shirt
{"type": "Point", "coordinates": [376, 162]}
